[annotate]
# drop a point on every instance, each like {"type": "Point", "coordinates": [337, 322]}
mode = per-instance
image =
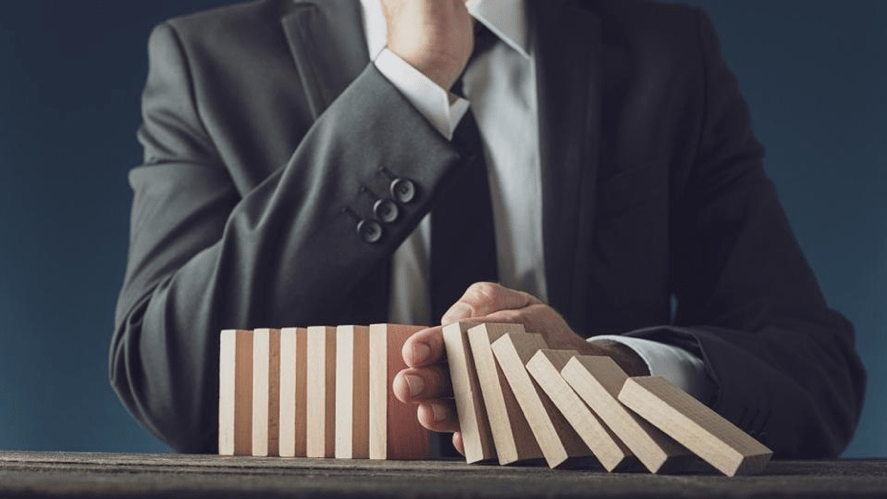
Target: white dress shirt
{"type": "Point", "coordinates": [500, 86]}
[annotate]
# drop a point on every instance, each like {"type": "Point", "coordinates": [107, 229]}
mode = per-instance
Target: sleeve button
{"type": "Point", "coordinates": [403, 190]}
{"type": "Point", "coordinates": [386, 210]}
{"type": "Point", "coordinates": [370, 231]}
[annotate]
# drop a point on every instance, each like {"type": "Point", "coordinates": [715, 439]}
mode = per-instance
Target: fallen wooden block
{"type": "Point", "coordinates": [293, 387]}
{"type": "Point", "coordinates": [320, 440]}
{"type": "Point", "coordinates": [266, 392]}
{"type": "Point", "coordinates": [512, 436]}
{"type": "Point", "coordinates": [235, 392]}
{"type": "Point", "coordinates": [694, 425]}
{"type": "Point", "coordinates": [545, 367]}
{"type": "Point", "coordinates": [477, 438]}
{"type": "Point", "coordinates": [395, 432]}
{"type": "Point", "coordinates": [352, 392]}
{"type": "Point", "coordinates": [598, 380]}
{"type": "Point", "coordinates": [557, 439]}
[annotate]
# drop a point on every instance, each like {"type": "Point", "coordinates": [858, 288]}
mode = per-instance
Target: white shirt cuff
{"type": "Point", "coordinates": [685, 370]}
{"type": "Point", "coordinates": [442, 109]}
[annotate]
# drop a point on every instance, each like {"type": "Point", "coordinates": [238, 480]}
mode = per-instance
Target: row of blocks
{"type": "Point", "coordinates": [518, 400]}
{"type": "Point", "coordinates": [326, 392]}
{"type": "Point", "coordinates": [316, 392]}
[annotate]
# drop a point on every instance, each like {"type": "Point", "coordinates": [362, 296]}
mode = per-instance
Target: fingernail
{"type": "Point", "coordinates": [440, 412]}
{"type": "Point", "coordinates": [457, 312]}
{"type": "Point", "coordinates": [415, 383]}
{"type": "Point", "coordinates": [421, 352]}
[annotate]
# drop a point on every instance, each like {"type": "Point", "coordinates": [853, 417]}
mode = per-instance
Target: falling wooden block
{"type": "Point", "coordinates": [321, 392]}
{"type": "Point", "coordinates": [293, 386]}
{"type": "Point", "coordinates": [512, 436]}
{"type": "Point", "coordinates": [598, 381]}
{"type": "Point", "coordinates": [545, 367]}
{"type": "Point", "coordinates": [553, 433]}
{"type": "Point", "coordinates": [235, 392]}
{"type": "Point", "coordinates": [477, 439]}
{"type": "Point", "coordinates": [266, 392]}
{"type": "Point", "coordinates": [352, 392]}
{"type": "Point", "coordinates": [694, 425]}
{"type": "Point", "coordinates": [395, 432]}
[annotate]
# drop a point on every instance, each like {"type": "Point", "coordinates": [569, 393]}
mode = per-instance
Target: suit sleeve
{"type": "Point", "coordinates": [784, 364]}
{"type": "Point", "coordinates": [205, 256]}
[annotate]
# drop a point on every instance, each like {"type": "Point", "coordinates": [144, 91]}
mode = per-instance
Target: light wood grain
{"type": "Point", "coordinates": [352, 392]}
{"type": "Point", "coordinates": [266, 392]}
{"type": "Point", "coordinates": [235, 392]}
{"type": "Point", "coordinates": [598, 381]}
{"type": "Point", "coordinates": [321, 392]}
{"type": "Point", "coordinates": [694, 425]}
{"type": "Point", "coordinates": [557, 439]}
{"type": "Point", "coordinates": [392, 421]}
{"type": "Point", "coordinates": [512, 437]}
{"type": "Point", "coordinates": [545, 367]}
{"type": "Point", "coordinates": [293, 384]}
{"type": "Point", "coordinates": [477, 438]}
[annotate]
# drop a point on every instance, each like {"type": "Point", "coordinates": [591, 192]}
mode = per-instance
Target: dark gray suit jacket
{"type": "Point", "coordinates": [268, 136]}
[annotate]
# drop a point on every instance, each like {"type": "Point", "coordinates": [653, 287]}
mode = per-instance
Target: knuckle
{"type": "Point", "coordinates": [485, 293]}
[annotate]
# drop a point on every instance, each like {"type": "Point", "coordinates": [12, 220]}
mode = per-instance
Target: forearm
{"type": "Point", "coordinates": [206, 257]}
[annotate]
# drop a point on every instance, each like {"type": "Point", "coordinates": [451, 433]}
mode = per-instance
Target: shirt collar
{"type": "Point", "coordinates": [506, 18]}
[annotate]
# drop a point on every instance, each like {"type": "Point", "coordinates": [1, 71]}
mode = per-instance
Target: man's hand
{"type": "Point", "coordinates": [427, 381]}
{"type": "Point", "coordinates": [433, 36]}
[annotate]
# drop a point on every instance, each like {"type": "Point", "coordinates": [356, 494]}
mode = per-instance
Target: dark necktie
{"type": "Point", "coordinates": [463, 240]}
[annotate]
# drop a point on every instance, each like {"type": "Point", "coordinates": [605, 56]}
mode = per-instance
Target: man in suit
{"type": "Point", "coordinates": [287, 176]}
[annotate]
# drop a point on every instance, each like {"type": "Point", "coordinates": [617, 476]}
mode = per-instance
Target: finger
{"type": "Point", "coordinates": [438, 415]}
{"type": "Point", "coordinates": [458, 443]}
{"type": "Point", "coordinates": [484, 298]}
{"type": "Point", "coordinates": [424, 348]}
{"type": "Point", "coordinates": [414, 385]}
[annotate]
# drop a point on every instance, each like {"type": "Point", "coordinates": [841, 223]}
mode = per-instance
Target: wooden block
{"type": "Point", "coordinates": [545, 367]}
{"type": "Point", "coordinates": [598, 381]}
{"type": "Point", "coordinates": [553, 433]}
{"type": "Point", "coordinates": [473, 422]}
{"type": "Point", "coordinates": [235, 392]}
{"type": "Point", "coordinates": [320, 440]}
{"type": "Point", "coordinates": [693, 424]}
{"type": "Point", "coordinates": [293, 386]}
{"type": "Point", "coordinates": [266, 392]}
{"type": "Point", "coordinates": [395, 432]}
{"type": "Point", "coordinates": [512, 436]}
{"type": "Point", "coordinates": [352, 392]}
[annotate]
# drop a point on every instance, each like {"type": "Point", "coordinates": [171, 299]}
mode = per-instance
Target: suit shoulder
{"type": "Point", "coordinates": [230, 22]}
{"type": "Point", "coordinates": [645, 16]}
{"type": "Point", "coordinates": [665, 26]}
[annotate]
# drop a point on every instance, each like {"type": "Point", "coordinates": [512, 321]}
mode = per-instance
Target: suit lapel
{"type": "Point", "coordinates": [567, 44]}
{"type": "Point", "coordinates": [327, 41]}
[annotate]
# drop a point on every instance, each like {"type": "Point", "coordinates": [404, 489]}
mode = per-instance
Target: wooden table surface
{"type": "Point", "coordinates": [64, 474]}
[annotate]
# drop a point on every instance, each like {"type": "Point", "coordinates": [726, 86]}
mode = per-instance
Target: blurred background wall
{"type": "Point", "coordinates": [71, 74]}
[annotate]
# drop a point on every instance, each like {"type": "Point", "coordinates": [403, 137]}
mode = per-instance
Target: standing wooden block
{"type": "Point", "coordinates": [512, 436]}
{"type": "Point", "coordinates": [598, 381]}
{"type": "Point", "coordinates": [545, 367]}
{"type": "Point", "coordinates": [395, 432]}
{"type": "Point", "coordinates": [266, 392]}
{"type": "Point", "coordinates": [352, 392]}
{"type": "Point", "coordinates": [235, 392]}
{"type": "Point", "coordinates": [293, 386]}
{"type": "Point", "coordinates": [321, 394]}
{"type": "Point", "coordinates": [473, 423]}
{"type": "Point", "coordinates": [553, 433]}
{"type": "Point", "coordinates": [696, 426]}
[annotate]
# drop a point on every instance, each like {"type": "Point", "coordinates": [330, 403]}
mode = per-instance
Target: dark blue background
{"type": "Point", "coordinates": [71, 73]}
